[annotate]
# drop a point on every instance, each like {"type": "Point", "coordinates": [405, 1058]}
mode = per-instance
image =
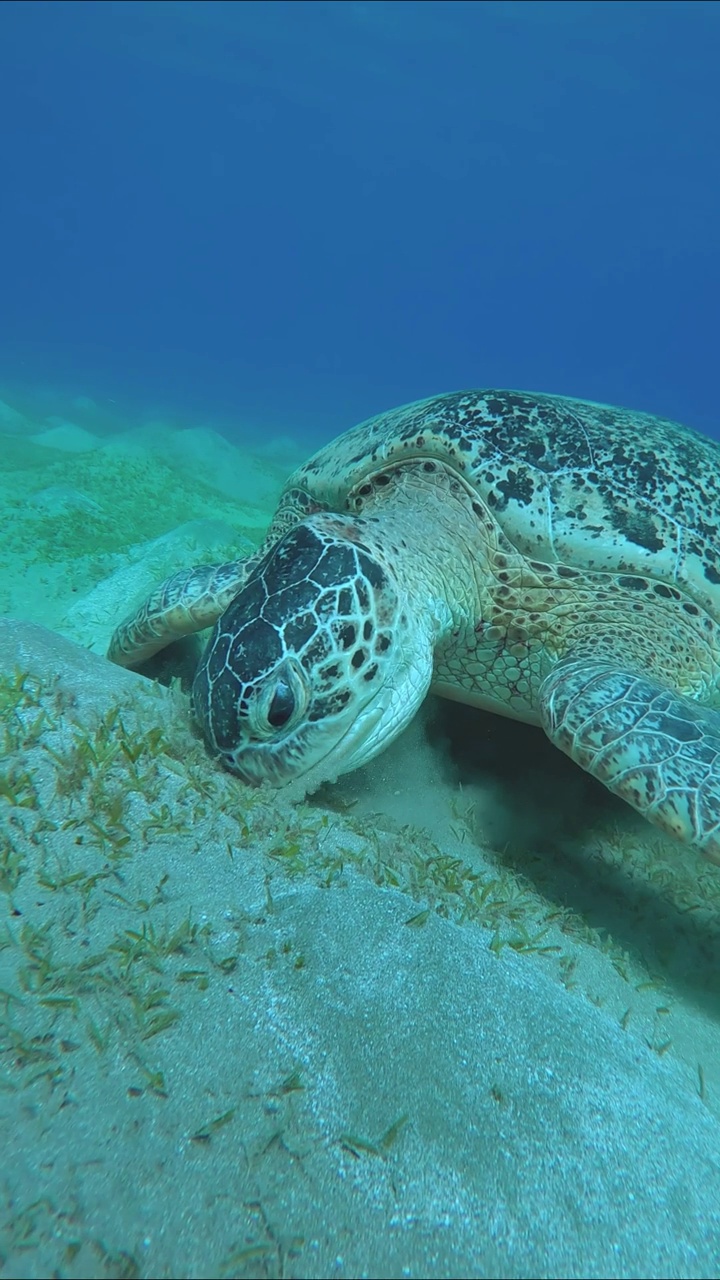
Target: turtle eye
{"type": "Point", "coordinates": [282, 706]}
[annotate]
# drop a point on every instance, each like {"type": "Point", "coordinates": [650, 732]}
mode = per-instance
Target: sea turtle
{"type": "Point", "coordinates": [549, 559]}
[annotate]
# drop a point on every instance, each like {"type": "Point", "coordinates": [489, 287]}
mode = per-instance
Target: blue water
{"type": "Point", "coordinates": [297, 214]}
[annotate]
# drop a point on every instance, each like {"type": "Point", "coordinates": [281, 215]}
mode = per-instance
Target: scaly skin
{"type": "Point", "coordinates": [655, 749]}
{"type": "Point", "coordinates": [189, 601]}
{"type": "Point", "coordinates": [548, 559]}
{"type": "Point", "coordinates": [193, 599]}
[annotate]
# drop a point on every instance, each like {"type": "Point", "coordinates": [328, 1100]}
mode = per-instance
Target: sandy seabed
{"type": "Point", "coordinates": [458, 1014]}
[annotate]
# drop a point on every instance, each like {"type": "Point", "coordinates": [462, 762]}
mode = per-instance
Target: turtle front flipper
{"type": "Point", "coordinates": [189, 601]}
{"type": "Point", "coordinates": [648, 744]}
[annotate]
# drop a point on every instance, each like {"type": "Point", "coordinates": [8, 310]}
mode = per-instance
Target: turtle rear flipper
{"type": "Point", "coordinates": [648, 744]}
{"type": "Point", "coordinates": [189, 601]}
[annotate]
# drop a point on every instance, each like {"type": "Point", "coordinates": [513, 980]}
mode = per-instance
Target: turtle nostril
{"type": "Point", "coordinates": [282, 706]}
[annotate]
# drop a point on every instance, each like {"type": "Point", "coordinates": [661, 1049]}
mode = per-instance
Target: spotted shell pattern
{"type": "Point", "coordinates": [569, 481]}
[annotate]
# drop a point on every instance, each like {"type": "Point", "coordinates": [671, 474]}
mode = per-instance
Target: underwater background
{"type": "Point", "coordinates": [294, 215]}
{"type": "Point", "coordinates": [459, 1013]}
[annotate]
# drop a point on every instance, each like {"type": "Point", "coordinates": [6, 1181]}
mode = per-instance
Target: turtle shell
{"type": "Point", "coordinates": [568, 481]}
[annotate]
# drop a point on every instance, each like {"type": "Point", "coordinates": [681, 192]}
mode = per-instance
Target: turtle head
{"type": "Point", "coordinates": [318, 663]}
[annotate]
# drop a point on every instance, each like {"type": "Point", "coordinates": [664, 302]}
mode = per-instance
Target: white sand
{"type": "Point", "coordinates": [457, 1016]}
